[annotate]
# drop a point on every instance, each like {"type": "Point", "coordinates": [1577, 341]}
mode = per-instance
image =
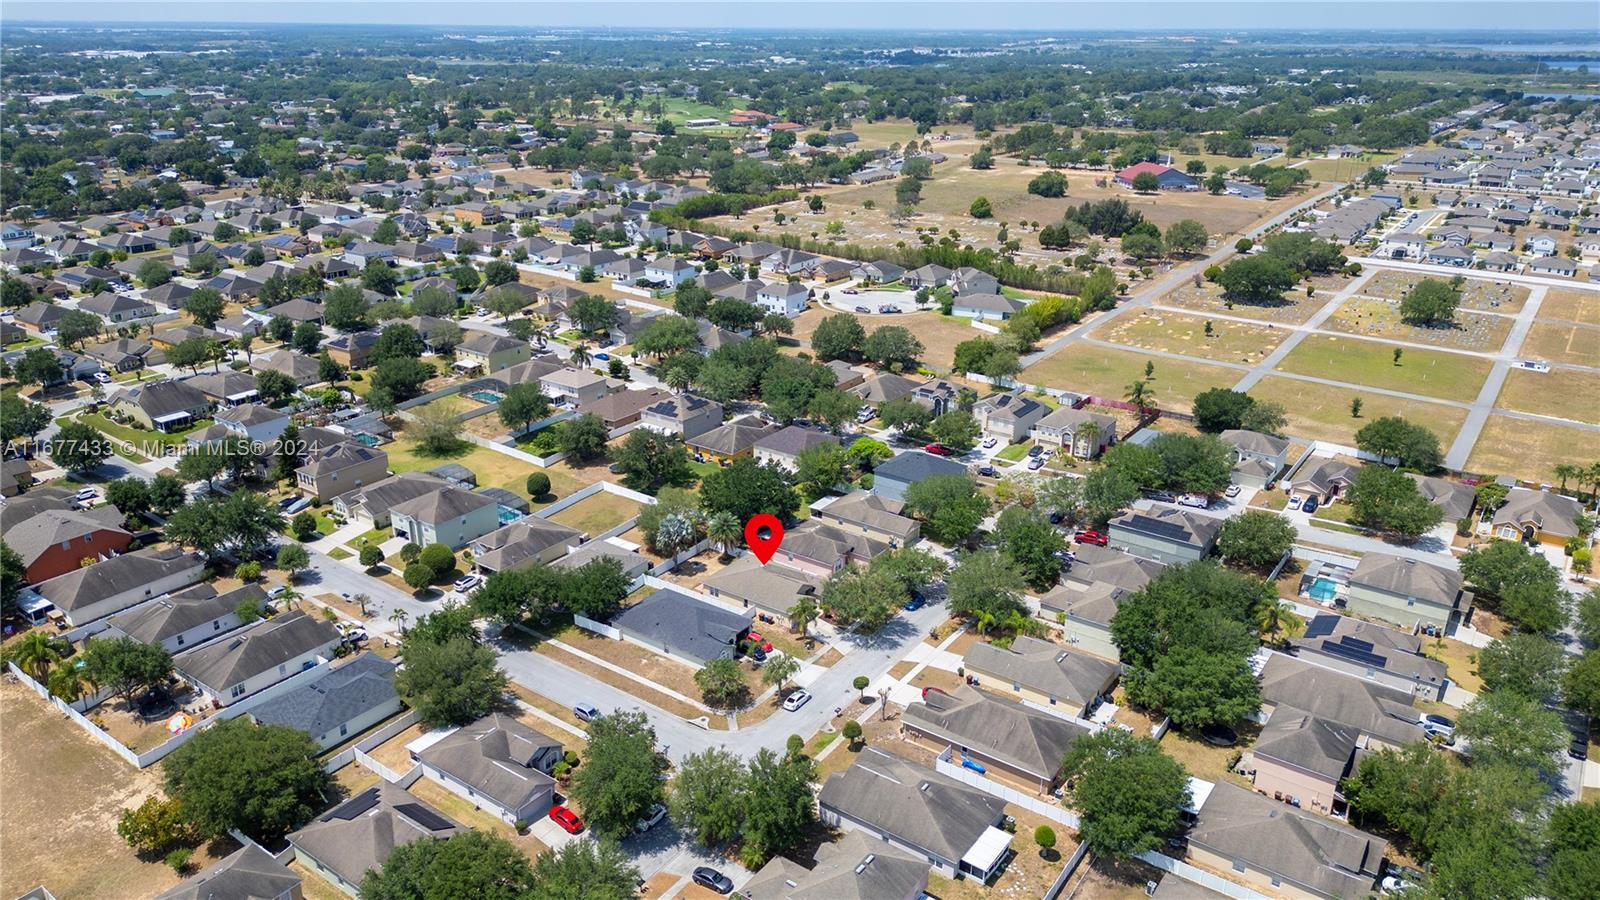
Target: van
{"type": "Point", "coordinates": [1197, 501]}
{"type": "Point", "coordinates": [586, 712]}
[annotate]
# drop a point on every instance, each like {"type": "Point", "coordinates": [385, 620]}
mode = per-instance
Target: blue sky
{"type": "Point", "coordinates": [1051, 15]}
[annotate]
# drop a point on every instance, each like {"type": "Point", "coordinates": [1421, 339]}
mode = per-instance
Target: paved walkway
{"type": "Point", "coordinates": [1322, 315]}
{"type": "Point", "coordinates": [1478, 416]}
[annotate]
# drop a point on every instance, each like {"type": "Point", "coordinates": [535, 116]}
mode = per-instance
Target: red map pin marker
{"type": "Point", "coordinates": [763, 545]}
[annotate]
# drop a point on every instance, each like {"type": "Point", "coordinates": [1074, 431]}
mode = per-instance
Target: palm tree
{"type": "Point", "coordinates": [986, 621]}
{"type": "Point", "coordinates": [399, 616]}
{"type": "Point", "coordinates": [724, 531]}
{"type": "Point", "coordinates": [218, 353]}
{"type": "Point", "coordinates": [35, 654]}
{"type": "Point", "coordinates": [71, 682]}
{"type": "Point", "coordinates": [1089, 433]}
{"type": "Point", "coordinates": [580, 355]}
{"type": "Point", "coordinates": [1141, 395]}
{"type": "Point", "coordinates": [803, 613]}
{"type": "Point", "coordinates": [1277, 619]}
{"type": "Point", "coordinates": [1565, 471]}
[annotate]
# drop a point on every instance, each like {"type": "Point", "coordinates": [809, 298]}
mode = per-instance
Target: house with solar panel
{"type": "Point", "coordinates": [1388, 656]}
{"type": "Point", "coordinates": [1165, 534]}
{"type": "Point", "coordinates": [359, 835]}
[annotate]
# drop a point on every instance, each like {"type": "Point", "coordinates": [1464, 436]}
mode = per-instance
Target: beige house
{"type": "Point", "coordinates": [1542, 516]}
{"type": "Point", "coordinates": [490, 352]}
{"type": "Point", "coordinates": [1008, 417]}
{"type": "Point", "coordinates": [877, 517]}
{"type": "Point", "coordinates": [1408, 592]}
{"type": "Point", "coordinates": [685, 415]}
{"type": "Point", "coordinates": [1086, 434]}
{"type": "Point", "coordinates": [1042, 672]}
{"type": "Point", "coordinates": [574, 386]}
{"type": "Point", "coordinates": [339, 468]}
{"type": "Point", "coordinates": [448, 516]}
{"type": "Point", "coordinates": [1300, 758]}
{"type": "Point", "coordinates": [1282, 850]}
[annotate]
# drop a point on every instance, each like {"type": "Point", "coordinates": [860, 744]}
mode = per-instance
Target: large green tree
{"type": "Point", "coordinates": [584, 870]}
{"type": "Point", "coordinates": [1256, 538]}
{"type": "Point", "coordinates": [467, 864]}
{"type": "Point", "coordinates": [746, 487]}
{"type": "Point", "coordinates": [1386, 500]}
{"type": "Point", "coordinates": [265, 780]}
{"type": "Point", "coordinates": [1130, 796]}
{"type": "Point", "coordinates": [77, 447]}
{"type": "Point", "coordinates": [620, 781]}
{"type": "Point", "coordinates": [1410, 445]}
{"type": "Point", "coordinates": [950, 507]}
{"type": "Point", "coordinates": [650, 461]}
{"type": "Point", "coordinates": [1028, 539]}
{"type": "Point", "coordinates": [1508, 728]}
{"type": "Point", "coordinates": [450, 682]}
{"type": "Point", "coordinates": [1528, 664]}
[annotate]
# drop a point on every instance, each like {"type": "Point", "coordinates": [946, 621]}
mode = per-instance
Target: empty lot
{"type": "Point", "coordinates": [1448, 376]}
{"type": "Point", "coordinates": [1563, 393]}
{"type": "Point", "coordinates": [1563, 342]}
{"type": "Point", "coordinates": [1228, 341]}
{"type": "Point", "coordinates": [1531, 450]}
{"type": "Point", "coordinates": [1320, 412]}
{"type": "Point", "coordinates": [1107, 372]}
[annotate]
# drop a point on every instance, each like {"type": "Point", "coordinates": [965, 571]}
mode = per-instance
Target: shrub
{"type": "Point", "coordinates": [538, 484]}
{"type": "Point", "coordinates": [249, 571]}
{"type": "Point", "coordinates": [410, 552]}
{"type": "Point", "coordinates": [304, 526]}
{"type": "Point", "coordinates": [852, 732]}
{"type": "Point", "coordinates": [179, 859]}
{"type": "Point", "coordinates": [371, 555]}
{"type": "Point", "coordinates": [437, 557]}
{"type": "Point", "coordinates": [418, 576]}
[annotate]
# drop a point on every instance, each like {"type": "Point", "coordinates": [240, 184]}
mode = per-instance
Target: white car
{"type": "Point", "coordinates": [86, 495]}
{"type": "Point", "coordinates": [1232, 491]}
{"type": "Point", "coordinates": [989, 442]}
{"type": "Point", "coordinates": [466, 583]}
{"type": "Point", "coordinates": [102, 377]}
{"type": "Point", "coordinates": [1036, 463]}
{"type": "Point", "coordinates": [796, 700]}
{"type": "Point", "coordinates": [1197, 501]}
{"type": "Point", "coordinates": [651, 819]}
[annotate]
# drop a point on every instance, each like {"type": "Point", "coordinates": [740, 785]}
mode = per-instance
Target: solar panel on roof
{"type": "Point", "coordinates": [1320, 626]}
{"type": "Point", "coordinates": [1350, 653]}
{"type": "Point", "coordinates": [1357, 644]}
{"type": "Point", "coordinates": [424, 816]}
{"type": "Point", "coordinates": [356, 805]}
{"type": "Point", "coordinates": [1160, 528]}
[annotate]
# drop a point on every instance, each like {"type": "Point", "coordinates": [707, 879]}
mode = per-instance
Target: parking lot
{"type": "Point", "coordinates": [854, 297]}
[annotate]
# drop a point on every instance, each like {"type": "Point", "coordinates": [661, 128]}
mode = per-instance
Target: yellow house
{"type": "Point", "coordinates": [726, 443]}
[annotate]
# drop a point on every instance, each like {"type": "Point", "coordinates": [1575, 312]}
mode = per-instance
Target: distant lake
{"type": "Point", "coordinates": [1558, 95]}
{"type": "Point", "coordinates": [1593, 64]}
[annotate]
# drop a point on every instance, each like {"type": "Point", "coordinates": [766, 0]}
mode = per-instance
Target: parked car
{"type": "Point", "coordinates": [1036, 463]}
{"type": "Point", "coordinates": [707, 877]}
{"type": "Point", "coordinates": [938, 449]}
{"type": "Point", "coordinates": [916, 602]}
{"type": "Point", "coordinates": [86, 495]}
{"type": "Point", "coordinates": [796, 700]}
{"type": "Point", "coordinates": [1232, 491]}
{"type": "Point", "coordinates": [931, 690]}
{"type": "Point", "coordinates": [1090, 536]}
{"type": "Point", "coordinates": [1161, 496]}
{"type": "Point", "coordinates": [466, 582]}
{"type": "Point", "coordinates": [651, 819]}
{"type": "Point", "coordinates": [863, 309]}
{"type": "Point", "coordinates": [586, 712]}
{"type": "Point", "coordinates": [1197, 501]}
{"type": "Point", "coordinates": [850, 291]}
{"type": "Point", "coordinates": [888, 308]}
{"type": "Point", "coordinates": [986, 471]}
{"type": "Point", "coordinates": [990, 442]}
{"type": "Point", "coordinates": [1310, 505]}
{"type": "Point", "coordinates": [277, 591]}
{"type": "Point", "coordinates": [567, 819]}
{"type": "Point", "coordinates": [102, 377]}
{"type": "Point", "coordinates": [1294, 502]}
{"type": "Point", "coordinates": [602, 356]}
{"type": "Point", "coordinates": [1035, 450]}
{"type": "Point", "coordinates": [1443, 727]}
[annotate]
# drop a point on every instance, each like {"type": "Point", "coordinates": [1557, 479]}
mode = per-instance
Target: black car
{"type": "Point", "coordinates": [705, 876]}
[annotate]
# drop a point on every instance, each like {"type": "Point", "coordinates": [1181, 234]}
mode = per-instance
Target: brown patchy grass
{"type": "Point", "coordinates": [1578, 306]}
{"type": "Point", "coordinates": [545, 704]}
{"type": "Point", "coordinates": [656, 698]}
{"type": "Point", "coordinates": [1476, 292]}
{"type": "Point", "coordinates": [1107, 372]}
{"type": "Point", "coordinates": [1321, 412]}
{"type": "Point", "coordinates": [1529, 450]}
{"type": "Point", "coordinates": [1177, 333]}
{"type": "Point", "coordinates": [393, 753]}
{"type": "Point", "coordinates": [1102, 878]}
{"type": "Point", "coordinates": [593, 515]}
{"type": "Point", "coordinates": [1561, 342]}
{"type": "Point", "coordinates": [1207, 298]}
{"type": "Point", "coordinates": [1205, 761]}
{"type": "Point", "coordinates": [1481, 332]}
{"type": "Point", "coordinates": [1461, 659]}
{"type": "Point", "coordinates": [1563, 393]}
{"type": "Point", "coordinates": [939, 334]}
{"type": "Point", "coordinates": [1027, 874]}
{"type": "Point", "coordinates": [64, 794]}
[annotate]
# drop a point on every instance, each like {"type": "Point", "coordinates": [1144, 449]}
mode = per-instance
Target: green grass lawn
{"type": "Point", "coordinates": [140, 437]}
{"type": "Point", "coordinates": [339, 553]}
{"type": "Point", "coordinates": [1015, 452]}
{"type": "Point", "coordinates": [1430, 373]}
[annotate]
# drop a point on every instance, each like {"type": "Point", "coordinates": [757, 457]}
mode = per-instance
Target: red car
{"type": "Point", "coordinates": [755, 638]}
{"type": "Point", "coordinates": [938, 449]}
{"type": "Point", "coordinates": [1091, 537]}
{"type": "Point", "coordinates": [931, 690]}
{"type": "Point", "coordinates": [567, 819]}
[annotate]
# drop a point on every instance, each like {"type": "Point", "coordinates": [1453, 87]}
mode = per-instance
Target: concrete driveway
{"type": "Point", "coordinates": [875, 301]}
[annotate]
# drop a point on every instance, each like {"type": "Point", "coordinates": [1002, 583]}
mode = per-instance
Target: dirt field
{"type": "Point", "coordinates": [1319, 412]}
{"type": "Point", "coordinates": [1563, 393]}
{"type": "Point", "coordinates": [1476, 293]}
{"type": "Point", "coordinates": [1103, 879]}
{"type": "Point", "coordinates": [1448, 376]}
{"type": "Point", "coordinates": [1530, 450]}
{"type": "Point", "coordinates": [63, 794]}
{"type": "Point", "coordinates": [1107, 372]}
{"type": "Point", "coordinates": [1482, 332]}
{"type": "Point", "coordinates": [1582, 307]}
{"type": "Point", "coordinates": [1561, 342]}
{"type": "Point", "coordinates": [1207, 297]}
{"type": "Point", "coordinates": [939, 334]}
{"type": "Point", "coordinates": [1177, 333]}
{"type": "Point", "coordinates": [593, 515]}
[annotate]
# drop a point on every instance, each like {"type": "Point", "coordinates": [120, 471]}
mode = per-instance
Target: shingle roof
{"type": "Point", "coordinates": [1022, 738]}
{"type": "Point", "coordinates": [917, 466]}
{"type": "Point", "coordinates": [249, 652]}
{"type": "Point", "coordinates": [165, 398]}
{"type": "Point", "coordinates": [339, 696]}
{"type": "Point", "coordinates": [734, 437]}
{"type": "Point", "coordinates": [248, 874]}
{"type": "Point", "coordinates": [182, 610]}
{"type": "Point", "coordinates": [89, 585]}
{"type": "Point", "coordinates": [794, 440]}
{"type": "Point", "coordinates": [507, 547]}
{"type": "Point", "coordinates": [684, 624]}
{"type": "Point", "coordinates": [1170, 523]}
{"type": "Point", "coordinates": [1409, 577]}
{"type": "Point", "coordinates": [921, 807]}
{"type": "Point", "coordinates": [1384, 712]}
{"type": "Point", "coordinates": [439, 505]}
{"type": "Point", "coordinates": [1254, 441]}
{"type": "Point", "coordinates": [360, 833]}
{"type": "Point", "coordinates": [1305, 741]}
{"type": "Point", "coordinates": [1545, 511]}
{"type": "Point", "coordinates": [494, 756]}
{"type": "Point", "coordinates": [32, 535]}
{"type": "Point", "coordinates": [1045, 667]}
{"type": "Point", "coordinates": [880, 514]}
{"type": "Point", "coordinates": [855, 867]}
{"type": "Point", "coordinates": [1324, 856]}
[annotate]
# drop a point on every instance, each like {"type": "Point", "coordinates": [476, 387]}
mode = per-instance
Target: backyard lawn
{"type": "Point", "coordinates": [1107, 372]}
{"type": "Point", "coordinates": [1448, 376]}
{"type": "Point", "coordinates": [493, 469]}
{"type": "Point", "coordinates": [1563, 393]}
{"type": "Point", "coordinates": [595, 514]}
{"type": "Point", "coordinates": [1320, 412]}
{"type": "Point", "coordinates": [141, 437]}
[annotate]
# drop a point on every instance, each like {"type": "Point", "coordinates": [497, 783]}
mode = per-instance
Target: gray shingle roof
{"type": "Point", "coordinates": [1022, 738]}
{"type": "Point", "coordinates": [248, 874]}
{"type": "Point", "coordinates": [916, 466]}
{"type": "Point", "coordinates": [1324, 856]}
{"type": "Point", "coordinates": [855, 867]}
{"type": "Point", "coordinates": [182, 610]}
{"type": "Point", "coordinates": [494, 756]}
{"type": "Point", "coordinates": [1305, 741]}
{"type": "Point", "coordinates": [249, 652]}
{"type": "Point", "coordinates": [84, 587]}
{"type": "Point", "coordinates": [437, 506]}
{"type": "Point", "coordinates": [360, 833]}
{"type": "Point", "coordinates": [1046, 667]}
{"type": "Point", "coordinates": [734, 437]}
{"type": "Point", "coordinates": [1409, 577]}
{"type": "Point", "coordinates": [917, 805]}
{"type": "Point", "coordinates": [31, 533]}
{"type": "Point", "coordinates": [339, 696]}
{"type": "Point", "coordinates": [686, 625]}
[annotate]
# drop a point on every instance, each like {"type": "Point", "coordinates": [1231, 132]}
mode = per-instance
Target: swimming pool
{"type": "Point", "coordinates": [366, 440]}
{"type": "Point", "coordinates": [1323, 589]}
{"type": "Point", "coordinates": [485, 396]}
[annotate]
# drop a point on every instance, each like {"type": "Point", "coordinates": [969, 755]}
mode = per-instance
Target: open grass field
{"type": "Point", "coordinates": [1531, 450]}
{"type": "Point", "coordinates": [939, 334]}
{"type": "Point", "coordinates": [1563, 393]}
{"type": "Point", "coordinates": [64, 794]}
{"type": "Point", "coordinates": [1561, 342]}
{"type": "Point", "coordinates": [1177, 333]}
{"type": "Point", "coordinates": [1320, 412]}
{"type": "Point", "coordinates": [1582, 307]}
{"type": "Point", "coordinates": [1476, 292]}
{"type": "Point", "coordinates": [1207, 298]}
{"type": "Point", "coordinates": [1448, 376]}
{"type": "Point", "coordinates": [1107, 372]}
{"type": "Point", "coordinates": [593, 515]}
{"type": "Point", "coordinates": [1480, 332]}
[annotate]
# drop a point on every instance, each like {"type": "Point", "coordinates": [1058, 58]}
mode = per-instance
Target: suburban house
{"type": "Point", "coordinates": [162, 405]}
{"type": "Point", "coordinates": [338, 704]}
{"type": "Point", "coordinates": [1089, 593]}
{"type": "Point", "coordinates": [1321, 478]}
{"type": "Point", "coordinates": [1453, 498]}
{"type": "Point", "coordinates": [1009, 417]}
{"type": "Point", "coordinates": [783, 297]}
{"type": "Point", "coordinates": [633, 562]}
{"type": "Point", "coordinates": [685, 415]}
{"type": "Point", "coordinates": [1258, 458]}
{"type": "Point", "coordinates": [783, 448]}
{"type": "Point", "coordinates": [1368, 650]}
{"type": "Point", "coordinates": [297, 310]}
{"type": "Point", "coordinates": [623, 408]}
{"type": "Point", "coordinates": [729, 441]}
{"type": "Point", "coordinates": [257, 656]}
{"type": "Point", "coordinates": [1383, 716]}
{"type": "Point", "coordinates": [54, 538]}
{"type": "Point", "coordinates": [1043, 672]}
{"type": "Point", "coordinates": [497, 763]}
{"type": "Point", "coordinates": [490, 352]}
{"type": "Point", "coordinates": [670, 271]}
{"type": "Point", "coordinates": [303, 370]}
{"type": "Point", "coordinates": [893, 476]}
{"type": "Point", "coordinates": [1408, 592]}
{"type": "Point", "coordinates": [937, 396]}
{"type": "Point", "coordinates": [821, 549]}
{"type": "Point", "coordinates": [93, 592]}
{"type": "Point", "coordinates": [683, 626]}
{"type": "Point", "coordinates": [873, 516]}
{"type": "Point", "coordinates": [358, 835]}
{"type": "Point", "coordinates": [125, 354]}
{"type": "Point", "coordinates": [985, 307]}
{"type": "Point", "coordinates": [449, 516]}
{"type": "Point", "coordinates": [880, 272]}
{"type": "Point", "coordinates": [1165, 533]}
{"type": "Point", "coordinates": [523, 542]}
{"type": "Point", "coordinates": [928, 276]}
{"type": "Point", "coordinates": [1299, 759]}
{"type": "Point", "coordinates": [255, 422]}
{"type": "Point", "coordinates": [773, 589]}
{"type": "Point", "coordinates": [247, 872]}
{"type": "Point", "coordinates": [952, 825]}
{"type": "Point", "coordinates": [1275, 846]}
{"type": "Point", "coordinates": [340, 468]}
{"type": "Point", "coordinates": [1085, 434]}
{"type": "Point", "coordinates": [1537, 516]}
{"type": "Point", "coordinates": [574, 386]}
{"type": "Point", "coordinates": [882, 387]}
{"type": "Point", "coordinates": [225, 389]}
{"type": "Point", "coordinates": [185, 618]}
{"type": "Point", "coordinates": [855, 867]}
{"type": "Point", "coordinates": [1004, 735]}
{"type": "Point", "coordinates": [117, 308]}
{"type": "Point", "coordinates": [353, 351]}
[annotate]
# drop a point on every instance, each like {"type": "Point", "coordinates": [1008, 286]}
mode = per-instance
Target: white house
{"type": "Point", "coordinates": [783, 297]}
